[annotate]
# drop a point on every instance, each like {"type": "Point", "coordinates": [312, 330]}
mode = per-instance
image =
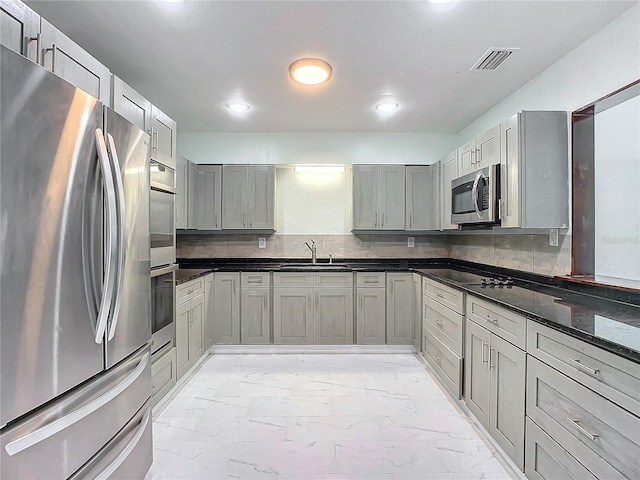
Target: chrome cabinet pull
{"type": "Point", "coordinates": [155, 135]}
{"type": "Point", "coordinates": [265, 301]}
{"type": "Point", "coordinates": [54, 51]}
{"type": "Point", "coordinates": [485, 359]}
{"type": "Point", "coordinates": [491, 319]}
{"type": "Point", "coordinates": [376, 221]}
{"type": "Point", "coordinates": [410, 220]}
{"type": "Point", "coordinates": [440, 294]}
{"type": "Point", "coordinates": [38, 40]}
{"type": "Point", "coordinates": [580, 366]}
{"type": "Point", "coordinates": [439, 323]}
{"type": "Point", "coordinates": [575, 423]}
{"type": "Point", "coordinates": [491, 358]}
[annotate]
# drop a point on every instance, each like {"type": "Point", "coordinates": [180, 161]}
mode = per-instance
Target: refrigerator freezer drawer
{"type": "Point", "coordinates": [128, 456]}
{"type": "Point", "coordinates": [57, 440]}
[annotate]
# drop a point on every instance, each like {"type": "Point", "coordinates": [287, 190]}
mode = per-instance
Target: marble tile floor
{"type": "Point", "coordinates": [311, 417]}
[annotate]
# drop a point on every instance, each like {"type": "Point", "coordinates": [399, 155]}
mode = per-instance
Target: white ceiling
{"type": "Point", "coordinates": [193, 57]}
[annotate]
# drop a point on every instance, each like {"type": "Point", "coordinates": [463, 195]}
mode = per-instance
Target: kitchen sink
{"type": "Point", "coordinates": [314, 266]}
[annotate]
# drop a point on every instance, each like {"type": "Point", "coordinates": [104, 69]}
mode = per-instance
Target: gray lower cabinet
{"type": "Point", "coordinates": [333, 315]}
{"type": "Point", "coordinates": [293, 315]}
{"type": "Point", "coordinates": [189, 333]}
{"type": "Point", "coordinates": [68, 60]}
{"type": "Point", "coordinates": [417, 312]}
{"type": "Point", "coordinates": [20, 29]}
{"type": "Point", "coordinates": [400, 326]}
{"type": "Point", "coordinates": [495, 387]}
{"type": "Point", "coordinates": [209, 305]}
{"type": "Point", "coordinates": [207, 197]}
{"type": "Point", "coordinates": [163, 374]}
{"type": "Point", "coordinates": [255, 316]}
{"type": "Point", "coordinates": [226, 321]}
{"type": "Point", "coordinates": [370, 308]}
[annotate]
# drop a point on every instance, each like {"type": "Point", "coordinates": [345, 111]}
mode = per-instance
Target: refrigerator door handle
{"type": "Point", "coordinates": [56, 426]}
{"type": "Point", "coordinates": [119, 460]}
{"type": "Point", "coordinates": [115, 164]}
{"type": "Point", "coordinates": [111, 241]}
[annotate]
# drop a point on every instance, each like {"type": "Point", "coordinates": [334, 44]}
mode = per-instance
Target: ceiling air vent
{"type": "Point", "coordinates": [493, 58]}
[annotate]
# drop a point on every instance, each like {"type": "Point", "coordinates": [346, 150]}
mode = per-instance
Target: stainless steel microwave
{"type": "Point", "coordinates": [474, 197]}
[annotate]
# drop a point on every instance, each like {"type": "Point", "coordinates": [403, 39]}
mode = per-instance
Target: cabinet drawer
{"type": "Point", "coordinates": [447, 296]}
{"type": "Point", "coordinates": [370, 279]}
{"type": "Point", "coordinates": [188, 290]}
{"type": "Point", "coordinates": [293, 279]}
{"type": "Point", "coordinates": [602, 436]}
{"type": "Point", "coordinates": [255, 279]}
{"type": "Point", "coordinates": [611, 376]}
{"type": "Point", "coordinates": [163, 375]}
{"type": "Point", "coordinates": [445, 363]}
{"type": "Point", "coordinates": [504, 323]}
{"type": "Point", "coordinates": [546, 460]}
{"type": "Point", "coordinates": [444, 324]}
{"type": "Point", "coordinates": [331, 279]}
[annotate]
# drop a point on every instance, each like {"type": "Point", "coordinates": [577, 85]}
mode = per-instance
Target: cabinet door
{"type": "Point", "coordinates": [333, 316]}
{"type": "Point", "coordinates": [448, 172]}
{"type": "Point", "coordinates": [399, 308]}
{"type": "Point", "coordinates": [488, 148]}
{"type": "Point", "coordinates": [226, 321]}
{"type": "Point", "coordinates": [183, 319]}
{"type": "Point", "coordinates": [293, 316]}
{"type": "Point", "coordinates": [209, 310]}
{"type": "Point", "coordinates": [417, 312]}
{"type": "Point", "coordinates": [255, 320]}
{"type": "Point", "coordinates": [506, 417]}
{"type": "Point", "coordinates": [191, 195]}
{"type": "Point", "coordinates": [130, 104]}
{"type": "Point", "coordinates": [433, 206]}
{"type": "Point", "coordinates": [68, 60]}
{"type": "Point", "coordinates": [234, 197]}
{"type": "Point", "coordinates": [510, 173]}
{"type": "Point", "coordinates": [163, 137]}
{"type": "Point", "coordinates": [418, 197]}
{"type": "Point", "coordinates": [19, 28]}
{"type": "Point", "coordinates": [196, 328]}
{"type": "Point", "coordinates": [181, 193]}
{"type": "Point", "coordinates": [261, 205]}
{"type": "Point", "coordinates": [476, 371]}
{"type": "Point", "coordinates": [208, 197]}
{"type": "Point", "coordinates": [392, 187]}
{"type": "Point", "coordinates": [371, 316]}
{"type": "Point", "coordinates": [467, 157]}
{"type": "Point", "coordinates": [365, 197]}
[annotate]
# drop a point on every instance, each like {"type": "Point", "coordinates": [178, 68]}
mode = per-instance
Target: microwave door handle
{"type": "Point", "coordinates": [474, 193]}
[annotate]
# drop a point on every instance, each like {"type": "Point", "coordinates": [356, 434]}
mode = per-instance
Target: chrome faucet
{"type": "Point", "coordinates": [313, 248]}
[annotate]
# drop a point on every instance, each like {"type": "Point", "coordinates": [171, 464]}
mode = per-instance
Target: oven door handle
{"type": "Point", "coordinates": [162, 187]}
{"type": "Point", "coordinates": [474, 192]}
{"type": "Point", "coordinates": [156, 272]}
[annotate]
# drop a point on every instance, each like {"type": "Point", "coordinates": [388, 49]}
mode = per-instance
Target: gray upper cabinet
{"type": "Point", "coordinates": [182, 191]}
{"type": "Point", "coordinates": [20, 29]}
{"type": "Point", "coordinates": [163, 137]}
{"type": "Point", "coordinates": [130, 104]}
{"type": "Point", "coordinates": [191, 195]}
{"type": "Point", "coordinates": [248, 197]}
{"type": "Point", "coordinates": [378, 197]}
{"type": "Point", "coordinates": [534, 170]}
{"type": "Point", "coordinates": [448, 172]}
{"type": "Point", "coordinates": [422, 197]}
{"type": "Point", "coordinates": [400, 325]}
{"type": "Point", "coordinates": [480, 152]}
{"type": "Point", "coordinates": [207, 197]}
{"type": "Point", "coordinates": [68, 60]}
{"type": "Point", "coordinates": [226, 322]}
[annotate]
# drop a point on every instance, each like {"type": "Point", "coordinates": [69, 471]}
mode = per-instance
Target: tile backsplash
{"type": "Point", "coordinates": [530, 253]}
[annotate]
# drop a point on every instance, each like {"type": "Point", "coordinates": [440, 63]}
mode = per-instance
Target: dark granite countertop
{"type": "Point", "coordinates": [590, 315]}
{"type": "Point", "coordinates": [185, 274]}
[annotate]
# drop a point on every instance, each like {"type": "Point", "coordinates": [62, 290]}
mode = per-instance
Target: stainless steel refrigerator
{"type": "Point", "coordinates": [75, 312]}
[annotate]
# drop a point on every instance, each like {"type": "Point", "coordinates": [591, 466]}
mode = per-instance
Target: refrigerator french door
{"type": "Point", "coordinates": [74, 229]}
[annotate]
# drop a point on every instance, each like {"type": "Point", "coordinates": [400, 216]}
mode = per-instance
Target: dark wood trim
{"type": "Point", "coordinates": [612, 99]}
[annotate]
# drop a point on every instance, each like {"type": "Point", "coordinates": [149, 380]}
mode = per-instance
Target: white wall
{"type": "Point", "coordinates": [289, 148]}
{"type": "Point", "coordinates": [617, 196]}
{"type": "Point", "coordinates": [604, 63]}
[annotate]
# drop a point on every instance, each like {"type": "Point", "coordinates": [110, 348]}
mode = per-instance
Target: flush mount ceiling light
{"type": "Point", "coordinates": [319, 168]}
{"type": "Point", "coordinates": [310, 71]}
{"type": "Point", "coordinates": [387, 107]}
{"type": "Point", "coordinates": [238, 107]}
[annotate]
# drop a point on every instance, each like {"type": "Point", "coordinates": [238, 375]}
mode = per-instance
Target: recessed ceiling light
{"type": "Point", "coordinates": [310, 71]}
{"type": "Point", "coordinates": [238, 107]}
{"type": "Point", "coordinates": [319, 168]}
{"type": "Point", "coordinates": [386, 107]}
{"type": "Point", "coordinates": [439, 1]}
